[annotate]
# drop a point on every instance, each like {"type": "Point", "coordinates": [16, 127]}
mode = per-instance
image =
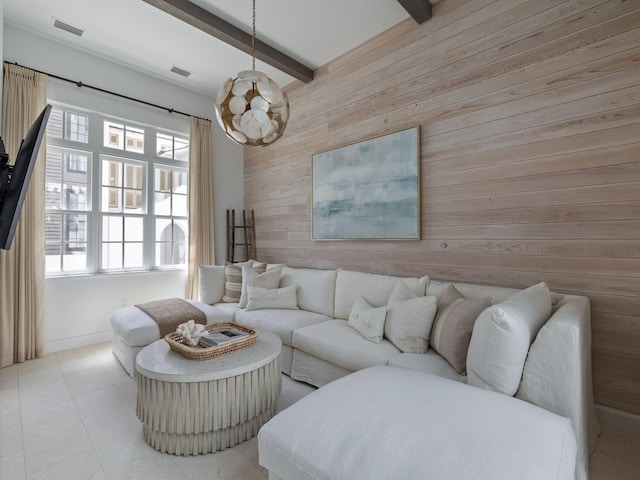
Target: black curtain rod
{"type": "Point", "coordinates": [119, 95]}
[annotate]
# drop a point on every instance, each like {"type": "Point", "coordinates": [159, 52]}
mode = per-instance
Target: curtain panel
{"type": "Point", "coordinates": [201, 221]}
{"type": "Point", "coordinates": [22, 267]}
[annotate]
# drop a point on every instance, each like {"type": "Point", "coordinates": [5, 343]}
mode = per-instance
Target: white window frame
{"type": "Point", "coordinates": [99, 152]}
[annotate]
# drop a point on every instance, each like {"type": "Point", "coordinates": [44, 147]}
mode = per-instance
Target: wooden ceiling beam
{"type": "Point", "coordinates": [215, 26]}
{"type": "Point", "coordinates": [420, 10]}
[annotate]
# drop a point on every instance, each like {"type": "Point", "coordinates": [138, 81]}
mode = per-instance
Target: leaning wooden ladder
{"type": "Point", "coordinates": [248, 240]}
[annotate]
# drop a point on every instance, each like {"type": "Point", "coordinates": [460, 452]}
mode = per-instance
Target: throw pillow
{"type": "Point", "coordinates": [501, 338]}
{"type": "Point", "coordinates": [453, 325]}
{"type": "Point", "coordinates": [367, 320]}
{"type": "Point", "coordinates": [211, 280]}
{"type": "Point", "coordinates": [273, 266]}
{"type": "Point", "coordinates": [251, 278]}
{"type": "Point", "coordinates": [261, 298]}
{"type": "Point", "coordinates": [408, 323]}
{"type": "Point", "coordinates": [233, 279]}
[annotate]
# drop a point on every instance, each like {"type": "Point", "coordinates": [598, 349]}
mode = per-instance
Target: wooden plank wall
{"type": "Point", "coordinates": [530, 120]}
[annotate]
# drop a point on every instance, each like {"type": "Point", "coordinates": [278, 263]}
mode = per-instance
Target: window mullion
{"type": "Point", "coordinates": [149, 240]}
{"type": "Point", "coordinates": [95, 237]}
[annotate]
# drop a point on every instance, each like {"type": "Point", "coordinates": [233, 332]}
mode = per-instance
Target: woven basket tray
{"type": "Point", "coordinates": [176, 342]}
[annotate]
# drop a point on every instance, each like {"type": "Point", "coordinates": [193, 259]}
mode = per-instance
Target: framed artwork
{"type": "Point", "coordinates": [369, 189]}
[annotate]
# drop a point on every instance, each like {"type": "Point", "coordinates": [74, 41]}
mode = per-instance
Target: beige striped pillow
{"type": "Point", "coordinates": [452, 327]}
{"type": "Point", "coordinates": [233, 280]}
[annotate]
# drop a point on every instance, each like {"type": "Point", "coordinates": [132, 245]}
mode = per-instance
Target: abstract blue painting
{"type": "Point", "coordinates": [368, 190]}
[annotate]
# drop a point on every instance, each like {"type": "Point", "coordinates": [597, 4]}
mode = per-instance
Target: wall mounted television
{"type": "Point", "coordinates": [14, 179]}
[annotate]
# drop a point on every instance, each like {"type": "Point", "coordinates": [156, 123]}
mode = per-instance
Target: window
{"type": "Point", "coordinates": [67, 202]}
{"type": "Point", "coordinates": [76, 127]}
{"type": "Point", "coordinates": [171, 204]}
{"type": "Point", "coordinates": [168, 146]}
{"type": "Point", "coordinates": [76, 163]}
{"type": "Point", "coordinates": [123, 137]}
{"type": "Point", "coordinates": [68, 125]}
{"type": "Point", "coordinates": [113, 203]}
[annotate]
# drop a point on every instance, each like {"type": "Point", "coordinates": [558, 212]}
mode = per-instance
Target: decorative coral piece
{"type": "Point", "coordinates": [191, 332]}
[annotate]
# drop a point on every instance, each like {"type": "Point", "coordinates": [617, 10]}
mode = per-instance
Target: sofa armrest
{"type": "Point", "coordinates": [557, 373]}
{"type": "Point", "coordinates": [211, 283]}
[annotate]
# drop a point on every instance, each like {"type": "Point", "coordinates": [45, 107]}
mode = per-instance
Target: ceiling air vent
{"type": "Point", "coordinates": [180, 71]}
{"type": "Point", "coordinates": [67, 28]}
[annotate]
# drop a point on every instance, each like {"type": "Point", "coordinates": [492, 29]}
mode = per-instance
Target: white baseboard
{"type": "Point", "coordinates": [76, 342]}
{"type": "Point", "coordinates": [614, 420]}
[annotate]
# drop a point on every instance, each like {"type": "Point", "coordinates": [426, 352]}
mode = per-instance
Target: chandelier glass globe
{"type": "Point", "coordinates": [252, 109]}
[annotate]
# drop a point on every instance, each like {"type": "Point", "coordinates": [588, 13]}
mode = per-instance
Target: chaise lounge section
{"type": "Point", "coordinates": [394, 423]}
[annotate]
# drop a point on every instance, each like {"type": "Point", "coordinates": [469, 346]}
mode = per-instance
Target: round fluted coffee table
{"type": "Point", "coordinates": [189, 407]}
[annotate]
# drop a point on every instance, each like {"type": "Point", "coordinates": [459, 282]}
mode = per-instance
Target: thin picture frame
{"type": "Point", "coordinates": [369, 189]}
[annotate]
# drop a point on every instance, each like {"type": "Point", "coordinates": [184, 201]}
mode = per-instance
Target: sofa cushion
{"type": "Point", "coordinates": [316, 288]}
{"type": "Point", "coordinates": [453, 325]}
{"type": "Point", "coordinates": [280, 322]}
{"type": "Point", "coordinates": [211, 280]}
{"type": "Point", "coordinates": [376, 289]}
{"type": "Point", "coordinates": [367, 321]}
{"type": "Point", "coordinates": [408, 323]}
{"type": "Point", "coordinates": [263, 298]}
{"type": "Point", "coordinates": [430, 362]}
{"type": "Point", "coordinates": [336, 342]}
{"type": "Point", "coordinates": [229, 308]}
{"type": "Point", "coordinates": [256, 278]}
{"type": "Point", "coordinates": [501, 338]}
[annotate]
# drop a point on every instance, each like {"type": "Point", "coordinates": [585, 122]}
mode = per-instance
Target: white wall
{"type": "Point", "coordinates": [78, 309]}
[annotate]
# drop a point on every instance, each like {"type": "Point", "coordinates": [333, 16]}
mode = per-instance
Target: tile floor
{"type": "Point", "coordinates": [71, 416]}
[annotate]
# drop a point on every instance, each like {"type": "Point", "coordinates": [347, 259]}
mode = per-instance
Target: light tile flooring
{"type": "Point", "coordinates": [71, 416]}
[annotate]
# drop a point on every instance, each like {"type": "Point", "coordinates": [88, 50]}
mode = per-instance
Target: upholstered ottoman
{"type": "Point", "coordinates": [133, 330]}
{"type": "Point", "coordinates": [393, 423]}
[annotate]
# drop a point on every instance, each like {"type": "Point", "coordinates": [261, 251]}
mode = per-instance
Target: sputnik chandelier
{"type": "Point", "coordinates": [251, 108]}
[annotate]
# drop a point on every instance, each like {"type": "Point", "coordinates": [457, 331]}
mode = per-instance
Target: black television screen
{"type": "Point", "coordinates": [14, 180]}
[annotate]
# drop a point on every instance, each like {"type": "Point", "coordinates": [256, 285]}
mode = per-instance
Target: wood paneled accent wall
{"type": "Point", "coordinates": [530, 146]}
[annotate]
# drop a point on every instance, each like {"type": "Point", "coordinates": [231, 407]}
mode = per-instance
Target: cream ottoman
{"type": "Point", "coordinates": [133, 330]}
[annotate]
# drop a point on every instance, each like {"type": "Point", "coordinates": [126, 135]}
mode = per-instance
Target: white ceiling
{"type": "Point", "coordinates": [138, 35]}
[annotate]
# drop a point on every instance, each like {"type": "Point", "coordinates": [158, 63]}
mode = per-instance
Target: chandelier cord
{"type": "Point", "coordinates": [253, 38]}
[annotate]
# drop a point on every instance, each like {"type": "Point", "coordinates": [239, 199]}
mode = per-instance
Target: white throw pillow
{"type": "Point", "coordinates": [211, 280]}
{"type": "Point", "coordinates": [375, 288]}
{"type": "Point", "coordinates": [261, 298]}
{"type": "Point", "coordinates": [402, 292]}
{"type": "Point", "coordinates": [273, 266]}
{"type": "Point", "coordinates": [367, 320]}
{"type": "Point", "coordinates": [501, 338]}
{"type": "Point", "coordinates": [251, 278]}
{"type": "Point", "coordinates": [409, 322]}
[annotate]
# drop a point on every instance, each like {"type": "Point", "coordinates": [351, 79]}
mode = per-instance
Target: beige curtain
{"type": "Point", "coordinates": [22, 267]}
{"type": "Point", "coordinates": [201, 239]}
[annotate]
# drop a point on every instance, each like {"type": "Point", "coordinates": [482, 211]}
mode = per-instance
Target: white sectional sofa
{"type": "Point", "coordinates": [549, 382]}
